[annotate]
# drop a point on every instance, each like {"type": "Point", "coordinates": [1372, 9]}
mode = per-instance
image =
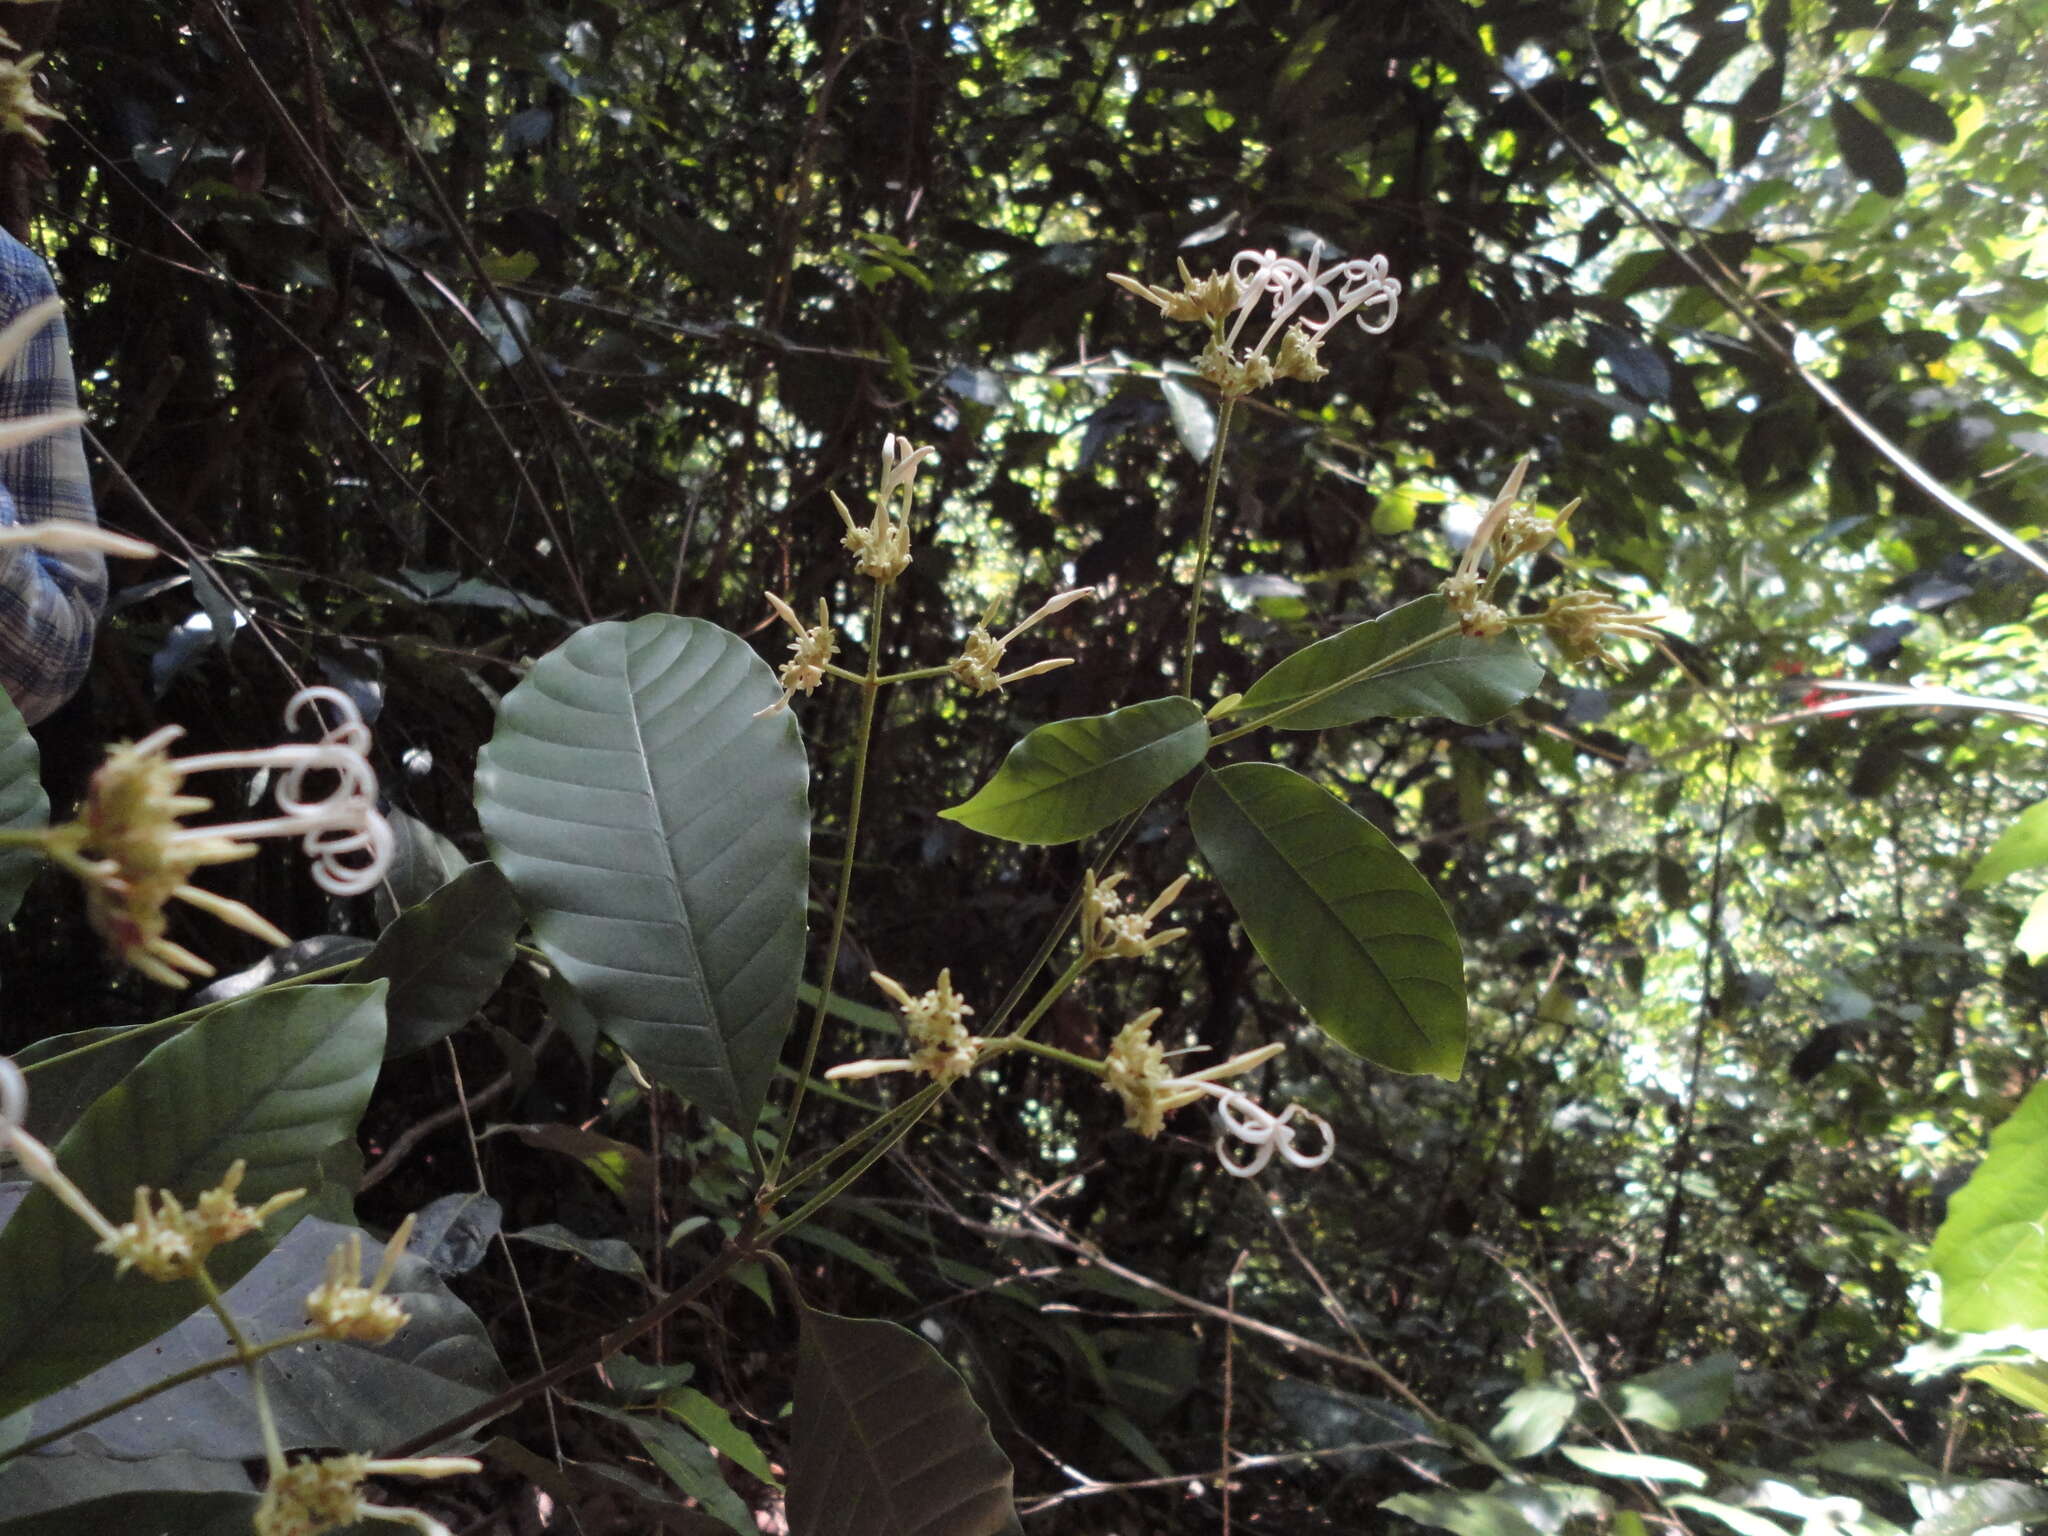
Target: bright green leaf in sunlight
{"type": "Point", "coordinates": [1466, 1514]}
{"type": "Point", "coordinates": [2021, 846]}
{"type": "Point", "coordinates": [2023, 1383]}
{"type": "Point", "coordinates": [1455, 677]}
{"type": "Point", "coordinates": [1347, 924]}
{"type": "Point", "coordinates": [1992, 1251]}
{"type": "Point", "coordinates": [1743, 1522]}
{"type": "Point", "coordinates": [1602, 1462]}
{"type": "Point", "coordinates": [2032, 939]}
{"type": "Point", "coordinates": [1679, 1397]}
{"type": "Point", "coordinates": [1073, 777]}
{"type": "Point", "coordinates": [1531, 1420]}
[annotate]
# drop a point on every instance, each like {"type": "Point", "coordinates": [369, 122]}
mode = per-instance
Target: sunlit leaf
{"type": "Point", "coordinates": [1992, 1250]}
{"type": "Point", "coordinates": [2021, 846]}
{"type": "Point", "coordinates": [1466, 1514]}
{"type": "Point", "coordinates": [1679, 1397]}
{"type": "Point", "coordinates": [1654, 1469]}
{"type": "Point", "coordinates": [1531, 1420]}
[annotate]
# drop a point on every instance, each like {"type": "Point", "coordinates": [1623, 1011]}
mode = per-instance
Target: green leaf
{"type": "Point", "coordinates": [276, 1080]}
{"type": "Point", "coordinates": [1531, 1420]}
{"type": "Point", "coordinates": [1466, 1514]}
{"type": "Point", "coordinates": [658, 835]}
{"type": "Point", "coordinates": [1680, 1397]}
{"type": "Point", "coordinates": [689, 1464]}
{"type": "Point", "coordinates": [1866, 148]}
{"type": "Point", "coordinates": [1876, 1460]}
{"type": "Point", "coordinates": [886, 1440]}
{"type": "Point", "coordinates": [839, 1245]}
{"type": "Point", "coordinates": [444, 958]}
{"type": "Point", "coordinates": [1458, 678]}
{"type": "Point", "coordinates": [608, 1253]}
{"type": "Point", "coordinates": [1906, 109]}
{"type": "Point", "coordinates": [2024, 1383]}
{"type": "Point", "coordinates": [1653, 1469]}
{"type": "Point", "coordinates": [2032, 939]}
{"type": "Point", "coordinates": [1983, 1505]}
{"type": "Point", "coordinates": [66, 1073]}
{"type": "Point", "coordinates": [715, 1427]}
{"type": "Point", "coordinates": [2021, 846]}
{"type": "Point", "coordinates": [23, 805]}
{"type": "Point", "coordinates": [1741, 1521]}
{"type": "Point", "coordinates": [159, 1512]}
{"type": "Point", "coordinates": [1992, 1250]}
{"type": "Point", "coordinates": [1192, 414]}
{"type": "Point", "coordinates": [1073, 777]}
{"type": "Point", "coordinates": [1347, 924]}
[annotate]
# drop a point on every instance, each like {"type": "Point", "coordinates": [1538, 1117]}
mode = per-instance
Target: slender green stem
{"type": "Point", "coordinates": [1088, 1064]}
{"type": "Point", "coordinates": [249, 1357]}
{"type": "Point", "coordinates": [1052, 995]}
{"type": "Point", "coordinates": [918, 1105]}
{"type": "Point", "coordinates": [1371, 670]}
{"type": "Point", "coordinates": [144, 1394]}
{"type": "Point", "coordinates": [1187, 660]}
{"type": "Point", "coordinates": [190, 1015]}
{"type": "Point", "coordinates": [915, 674]}
{"type": "Point", "coordinates": [859, 1138]}
{"type": "Point", "coordinates": [870, 688]}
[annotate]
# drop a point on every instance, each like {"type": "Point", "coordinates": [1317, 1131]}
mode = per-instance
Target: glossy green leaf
{"type": "Point", "coordinates": [66, 1073]}
{"type": "Point", "coordinates": [1073, 777]}
{"type": "Point", "coordinates": [1679, 1397]}
{"type": "Point", "coordinates": [1992, 1250]}
{"type": "Point", "coordinates": [1466, 1514]}
{"type": "Point", "coordinates": [886, 1439]}
{"type": "Point", "coordinates": [1743, 1522]}
{"type": "Point", "coordinates": [1866, 148]}
{"type": "Point", "coordinates": [1345, 922]}
{"type": "Point", "coordinates": [1457, 678]}
{"type": "Point", "coordinates": [2021, 846]}
{"type": "Point", "coordinates": [715, 1427]}
{"type": "Point", "coordinates": [1531, 1420]}
{"type": "Point", "coordinates": [276, 1080]}
{"type": "Point", "coordinates": [444, 958]}
{"type": "Point", "coordinates": [23, 804]}
{"type": "Point", "coordinates": [657, 832]}
{"type": "Point", "coordinates": [1653, 1469]}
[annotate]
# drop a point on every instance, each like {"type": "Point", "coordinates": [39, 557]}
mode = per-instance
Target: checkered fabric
{"type": "Point", "coordinates": [48, 602]}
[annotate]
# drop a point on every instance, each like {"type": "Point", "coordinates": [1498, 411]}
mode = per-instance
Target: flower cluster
{"type": "Point", "coordinates": [168, 1242]}
{"type": "Point", "coordinates": [1109, 932]}
{"type": "Point", "coordinates": [309, 1497]}
{"type": "Point", "coordinates": [1349, 288]}
{"type": "Point", "coordinates": [809, 653]}
{"type": "Point", "coordinates": [342, 1307]}
{"type": "Point", "coordinates": [979, 664]}
{"type": "Point", "coordinates": [1136, 1069]}
{"type": "Point", "coordinates": [135, 856]}
{"type": "Point", "coordinates": [20, 107]}
{"type": "Point", "coordinates": [936, 1023]}
{"type": "Point", "coordinates": [1580, 622]}
{"type": "Point", "coordinates": [881, 550]}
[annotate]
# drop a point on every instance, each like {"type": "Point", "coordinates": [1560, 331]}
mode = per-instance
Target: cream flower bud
{"type": "Point", "coordinates": [167, 1242]}
{"type": "Point", "coordinates": [936, 1023]}
{"type": "Point", "coordinates": [310, 1497]}
{"type": "Point", "coordinates": [1110, 932]}
{"type": "Point", "coordinates": [812, 649]}
{"type": "Point", "coordinates": [979, 664]}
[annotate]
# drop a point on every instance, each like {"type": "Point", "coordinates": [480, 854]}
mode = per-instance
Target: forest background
{"type": "Point", "coordinates": [419, 334]}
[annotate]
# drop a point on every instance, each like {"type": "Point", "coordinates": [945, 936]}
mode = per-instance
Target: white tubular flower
{"type": "Point", "coordinates": [36, 1159]}
{"type": "Point", "coordinates": [1109, 932]}
{"type": "Point", "coordinates": [1136, 1069]}
{"type": "Point", "coordinates": [808, 653]}
{"type": "Point", "coordinates": [135, 856]}
{"type": "Point", "coordinates": [309, 1497]}
{"type": "Point", "coordinates": [881, 550]}
{"type": "Point", "coordinates": [979, 664]}
{"type": "Point", "coordinates": [936, 1023]}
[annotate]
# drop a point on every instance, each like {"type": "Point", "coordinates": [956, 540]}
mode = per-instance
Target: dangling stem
{"type": "Point", "coordinates": [251, 1357]}
{"type": "Point", "coordinates": [1187, 660]}
{"type": "Point", "coordinates": [871, 687]}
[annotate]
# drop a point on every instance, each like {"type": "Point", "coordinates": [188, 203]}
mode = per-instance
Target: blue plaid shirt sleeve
{"type": "Point", "coordinates": [49, 602]}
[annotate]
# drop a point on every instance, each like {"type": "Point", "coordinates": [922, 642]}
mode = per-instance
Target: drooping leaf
{"type": "Point", "coordinates": [1907, 109]}
{"type": "Point", "coordinates": [2020, 847]}
{"type": "Point", "coordinates": [1073, 777]}
{"type": "Point", "coordinates": [1531, 1420]}
{"type": "Point", "coordinates": [1679, 1397]}
{"type": "Point", "coordinates": [1462, 679]}
{"type": "Point", "coordinates": [444, 958]}
{"type": "Point", "coordinates": [1466, 1514]}
{"type": "Point", "coordinates": [657, 833]}
{"type": "Point", "coordinates": [23, 805]}
{"type": "Point", "coordinates": [1345, 922]}
{"type": "Point", "coordinates": [277, 1080]}
{"type": "Point", "coordinates": [688, 1462]}
{"type": "Point", "coordinates": [887, 1440]}
{"type": "Point", "coordinates": [715, 1427]}
{"type": "Point", "coordinates": [1992, 1250]}
{"type": "Point", "coordinates": [610, 1253]}
{"type": "Point", "coordinates": [1866, 148]}
{"type": "Point", "coordinates": [1602, 1462]}
{"type": "Point", "coordinates": [332, 1392]}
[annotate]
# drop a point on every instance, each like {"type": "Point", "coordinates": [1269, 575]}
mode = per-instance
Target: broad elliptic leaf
{"type": "Point", "coordinates": [1980, 1506]}
{"type": "Point", "coordinates": [1458, 678]}
{"type": "Point", "coordinates": [276, 1080]}
{"type": "Point", "coordinates": [1992, 1250]}
{"type": "Point", "coordinates": [1464, 1514]}
{"type": "Point", "coordinates": [887, 1441]}
{"type": "Point", "coordinates": [1345, 922]}
{"type": "Point", "coordinates": [1653, 1469]}
{"type": "Point", "coordinates": [1679, 1397]}
{"type": "Point", "coordinates": [1866, 148]}
{"type": "Point", "coordinates": [444, 958]}
{"type": "Point", "coordinates": [1531, 1419]}
{"type": "Point", "coordinates": [329, 1392]}
{"type": "Point", "coordinates": [22, 804]}
{"type": "Point", "coordinates": [656, 827]}
{"type": "Point", "coordinates": [2020, 847]}
{"type": "Point", "coordinates": [1906, 109]}
{"type": "Point", "coordinates": [1073, 777]}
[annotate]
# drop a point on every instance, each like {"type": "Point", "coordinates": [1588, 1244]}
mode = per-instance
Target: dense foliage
{"type": "Point", "coordinates": [422, 336]}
